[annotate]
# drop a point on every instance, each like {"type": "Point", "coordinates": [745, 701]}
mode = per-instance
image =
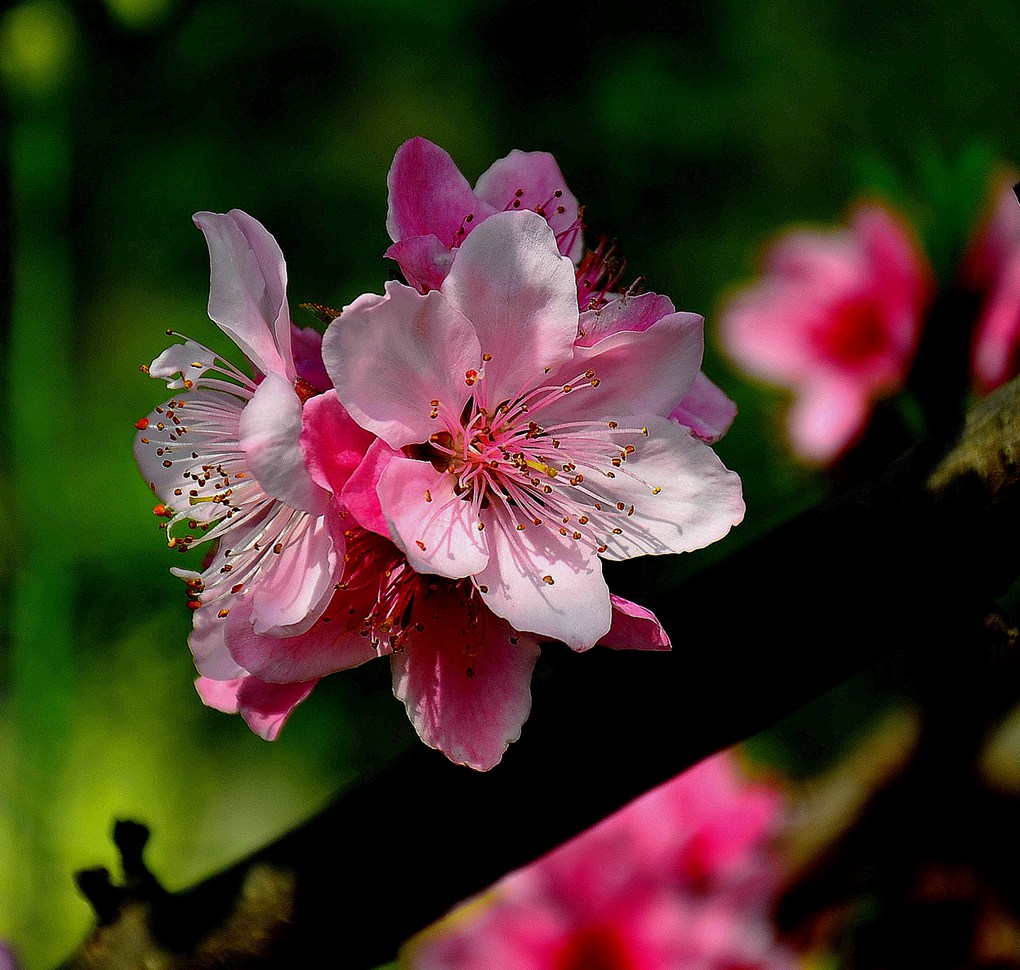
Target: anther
{"type": "Point", "coordinates": [548, 580]}
{"type": "Point", "coordinates": [223, 613]}
{"type": "Point", "coordinates": [142, 423]}
{"type": "Point", "coordinates": [656, 490]}
{"type": "Point", "coordinates": [420, 544]}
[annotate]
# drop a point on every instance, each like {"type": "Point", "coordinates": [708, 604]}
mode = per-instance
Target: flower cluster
{"type": "Point", "coordinates": [683, 877]}
{"type": "Point", "coordinates": [439, 477]}
{"type": "Point", "coordinates": [839, 317]}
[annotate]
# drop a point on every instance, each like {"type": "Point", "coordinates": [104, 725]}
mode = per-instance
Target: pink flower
{"type": "Point", "coordinates": [620, 896]}
{"type": "Point", "coordinates": [514, 457]}
{"type": "Point", "coordinates": [836, 317]}
{"type": "Point", "coordinates": [462, 673]}
{"type": "Point", "coordinates": [224, 457]}
{"type": "Point", "coordinates": [432, 209]}
{"type": "Point", "coordinates": [993, 270]}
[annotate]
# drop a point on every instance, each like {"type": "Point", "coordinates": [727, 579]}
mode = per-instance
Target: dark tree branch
{"type": "Point", "coordinates": [912, 557]}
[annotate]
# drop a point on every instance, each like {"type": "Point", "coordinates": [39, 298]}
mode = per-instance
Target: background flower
{"type": "Point", "coordinates": [993, 270]}
{"type": "Point", "coordinates": [836, 317]}
{"type": "Point", "coordinates": [683, 877]}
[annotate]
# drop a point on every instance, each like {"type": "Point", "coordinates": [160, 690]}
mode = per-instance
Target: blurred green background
{"type": "Point", "coordinates": [692, 132]}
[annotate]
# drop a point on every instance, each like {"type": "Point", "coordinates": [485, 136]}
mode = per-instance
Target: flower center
{"type": "Point", "coordinates": [530, 474]}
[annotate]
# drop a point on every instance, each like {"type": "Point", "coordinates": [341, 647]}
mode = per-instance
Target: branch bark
{"type": "Point", "coordinates": [912, 557]}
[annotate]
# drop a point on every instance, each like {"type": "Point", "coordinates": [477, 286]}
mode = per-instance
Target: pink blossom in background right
{"type": "Point", "coordinates": [836, 318]}
{"type": "Point", "coordinates": [992, 269]}
{"type": "Point", "coordinates": [683, 877]}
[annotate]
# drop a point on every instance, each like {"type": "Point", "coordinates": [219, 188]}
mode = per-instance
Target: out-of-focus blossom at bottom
{"type": "Point", "coordinates": [683, 878]}
{"type": "Point", "coordinates": [7, 958]}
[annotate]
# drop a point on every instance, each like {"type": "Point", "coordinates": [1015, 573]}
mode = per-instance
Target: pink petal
{"type": "Point", "coordinates": [434, 527]}
{"type": "Point", "coordinates": [996, 240]}
{"type": "Point", "coordinates": [531, 180]}
{"type": "Point", "coordinates": [515, 585]}
{"type": "Point", "coordinates": [360, 495]}
{"type": "Point", "coordinates": [705, 409]}
{"type": "Point", "coordinates": [625, 313]}
{"type": "Point", "coordinates": [248, 289]}
{"type": "Point", "coordinates": [637, 372]}
{"type": "Point", "coordinates": [997, 337]}
{"type": "Point", "coordinates": [295, 584]}
{"type": "Point", "coordinates": [332, 443]}
{"type": "Point", "coordinates": [390, 357]}
{"type": "Point", "coordinates": [207, 640]}
{"type": "Point", "coordinates": [423, 260]}
{"type": "Point", "coordinates": [266, 707]}
{"type": "Point", "coordinates": [333, 643]}
{"type": "Point", "coordinates": [827, 419]}
{"type": "Point", "coordinates": [428, 195]}
{"type": "Point", "coordinates": [270, 436]}
{"type": "Point", "coordinates": [698, 501]}
{"type": "Point", "coordinates": [634, 628]}
{"type": "Point", "coordinates": [467, 691]}
{"type": "Point", "coordinates": [221, 695]}
{"type": "Point", "coordinates": [901, 280]}
{"type": "Point", "coordinates": [510, 281]}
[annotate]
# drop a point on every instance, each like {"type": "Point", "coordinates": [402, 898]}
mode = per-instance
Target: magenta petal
{"type": "Point", "coordinates": [423, 260]}
{"type": "Point", "coordinates": [706, 410]}
{"type": "Point", "coordinates": [266, 707]}
{"type": "Point", "coordinates": [391, 356]}
{"type": "Point", "coordinates": [634, 628]}
{"type": "Point", "coordinates": [332, 442]}
{"type": "Point", "coordinates": [306, 343]}
{"type": "Point", "coordinates": [469, 694]}
{"type": "Point", "coordinates": [435, 527]}
{"type": "Point", "coordinates": [545, 584]}
{"type": "Point", "coordinates": [510, 281]}
{"type": "Point", "coordinates": [248, 288]}
{"type": "Point", "coordinates": [428, 194]}
{"type": "Point", "coordinates": [360, 496]}
{"type": "Point", "coordinates": [533, 180]}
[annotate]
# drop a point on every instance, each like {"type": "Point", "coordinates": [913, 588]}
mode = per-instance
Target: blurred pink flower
{"type": "Point", "coordinates": [682, 878]}
{"type": "Point", "coordinates": [513, 455]}
{"type": "Point", "coordinates": [462, 673]}
{"type": "Point", "coordinates": [224, 458]}
{"type": "Point", "coordinates": [836, 317]}
{"type": "Point", "coordinates": [992, 268]}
